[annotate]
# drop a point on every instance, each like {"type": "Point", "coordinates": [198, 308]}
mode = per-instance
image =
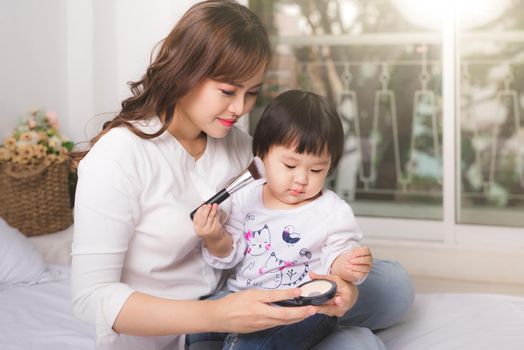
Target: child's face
{"type": "Point", "coordinates": [293, 179]}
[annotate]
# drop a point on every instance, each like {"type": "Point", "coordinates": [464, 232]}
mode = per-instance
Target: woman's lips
{"type": "Point", "coordinates": [227, 122]}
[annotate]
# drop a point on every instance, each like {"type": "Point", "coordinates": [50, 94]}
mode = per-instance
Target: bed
{"type": "Point", "coordinates": [35, 308]}
{"type": "Point", "coordinates": [460, 321]}
{"type": "Point", "coordinates": [39, 316]}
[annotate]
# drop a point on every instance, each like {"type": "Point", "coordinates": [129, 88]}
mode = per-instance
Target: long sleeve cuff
{"type": "Point", "coordinates": [108, 311]}
{"type": "Point", "coordinates": [226, 262]}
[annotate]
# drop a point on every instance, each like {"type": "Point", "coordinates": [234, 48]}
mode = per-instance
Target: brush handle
{"type": "Point", "coordinates": [217, 198]}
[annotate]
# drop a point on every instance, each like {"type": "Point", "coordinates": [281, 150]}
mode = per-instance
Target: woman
{"type": "Point", "coordinates": [137, 270]}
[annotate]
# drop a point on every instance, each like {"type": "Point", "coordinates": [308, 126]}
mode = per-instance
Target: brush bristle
{"type": "Point", "coordinates": [256, 168]}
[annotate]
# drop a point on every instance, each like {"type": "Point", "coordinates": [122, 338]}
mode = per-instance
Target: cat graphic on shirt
{"type": "Point", "coordinates": [277, 272]}
{"type": "Point", "coordinates": [258, 241]}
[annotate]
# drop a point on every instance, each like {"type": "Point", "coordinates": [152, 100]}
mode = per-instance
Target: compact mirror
{"type": "Point", "coordinates": [315, 292]}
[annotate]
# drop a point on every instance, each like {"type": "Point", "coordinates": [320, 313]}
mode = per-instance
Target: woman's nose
{"type": "Point", "coordinates": [237, 105]}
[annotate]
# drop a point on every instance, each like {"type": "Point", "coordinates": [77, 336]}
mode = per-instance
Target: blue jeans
{"type": "Point", "coordinates": [302, 335]}
{"type": "Point", "coordinates": [384, 298]}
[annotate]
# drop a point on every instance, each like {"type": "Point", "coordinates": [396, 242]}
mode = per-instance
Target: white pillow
{"type": "Point", "coordinates": [55, 247]}
{"type": "Point", "coordinates": [20, 262]}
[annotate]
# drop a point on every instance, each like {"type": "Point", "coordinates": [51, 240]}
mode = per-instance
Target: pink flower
{"type": "Point", "coordinates": [52, 119]}
{"type": "Point", "coordinates": [31, 122]}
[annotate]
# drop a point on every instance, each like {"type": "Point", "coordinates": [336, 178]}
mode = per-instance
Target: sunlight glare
{"type": "Point", "coordinates": [429, 14]}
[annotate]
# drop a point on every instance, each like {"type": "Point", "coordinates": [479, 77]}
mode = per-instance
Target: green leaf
{"type": "Point", "coordinates": [68, 145]}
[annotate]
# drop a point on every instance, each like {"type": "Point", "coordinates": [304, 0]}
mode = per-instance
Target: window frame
{"type": "Point", "coordinates": [448, 230]}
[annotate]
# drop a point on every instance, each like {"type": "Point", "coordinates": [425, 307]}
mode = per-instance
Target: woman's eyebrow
{"type": "Point", "coordinates": [240, 86]}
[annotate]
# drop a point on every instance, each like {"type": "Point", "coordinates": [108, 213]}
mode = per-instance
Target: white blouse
{"type": "Point", "coordinates": [277, 249]}
{"type": "Point", "coordinates": [132, 228]}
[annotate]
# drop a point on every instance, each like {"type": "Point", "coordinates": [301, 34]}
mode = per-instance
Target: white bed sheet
{"type": "Point", "coordinates": [460, 321]}
{"type": "Point", "coordinates": [41, 317]}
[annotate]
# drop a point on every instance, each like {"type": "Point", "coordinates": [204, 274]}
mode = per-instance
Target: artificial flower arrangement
{"type": "Point", "coordinates": [35, 142]}
{"type": "Point", "coordinates": [35, 178]}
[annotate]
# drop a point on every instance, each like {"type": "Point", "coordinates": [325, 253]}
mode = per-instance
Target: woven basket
{"type": "Point", "coordinates": [35, 201]}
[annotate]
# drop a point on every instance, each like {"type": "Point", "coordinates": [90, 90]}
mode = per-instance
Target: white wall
{"type": "Point", "coordinates": [33, 44]}
{"type": "Point", "coordinates": [76, 57]}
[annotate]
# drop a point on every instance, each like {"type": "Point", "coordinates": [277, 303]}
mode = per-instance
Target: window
{"type": "Point", "coordinates": [380, 62]}
{"type": "Point", "coordinates": [492, 121]}
{"type": "Point", "coordinates": [384, 75]}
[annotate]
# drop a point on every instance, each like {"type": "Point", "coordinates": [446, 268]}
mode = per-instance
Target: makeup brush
{"type": "Point", "coordinates": [254, 171]}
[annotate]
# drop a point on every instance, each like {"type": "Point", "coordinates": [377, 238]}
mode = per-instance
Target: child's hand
{"type": "Point", "coordinates": [353, 266]}
{"type": "Point", "coordinates": [206, 222]}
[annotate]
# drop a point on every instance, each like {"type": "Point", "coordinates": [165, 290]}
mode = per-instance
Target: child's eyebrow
{"type": "Point", "coordinates": [322, 162]}
{"type": "Point", "coordinates": [289, 157]}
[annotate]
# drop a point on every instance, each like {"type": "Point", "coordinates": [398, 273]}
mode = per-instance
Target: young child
{"type": "Point", "coordinates": [287, 225]}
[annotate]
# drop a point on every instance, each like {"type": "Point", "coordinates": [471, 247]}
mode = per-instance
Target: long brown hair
{"type": "Point", "coordinates": [216, 39]}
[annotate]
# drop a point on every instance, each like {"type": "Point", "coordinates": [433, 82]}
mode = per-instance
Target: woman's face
{"type": "Point", "coordinates": [213, 107]}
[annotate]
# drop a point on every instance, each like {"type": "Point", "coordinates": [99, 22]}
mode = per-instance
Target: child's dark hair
{"type": "Point", "coordinates": [303, 120]}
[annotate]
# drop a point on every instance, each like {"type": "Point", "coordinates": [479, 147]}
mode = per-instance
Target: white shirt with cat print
{"type": "Point", "coordinates": [282, 246]}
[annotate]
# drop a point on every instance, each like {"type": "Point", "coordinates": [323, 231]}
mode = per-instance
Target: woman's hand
{"type": "Point", "coordinates": [251, 310]}
{"type": "Point", "coordinates": [345, 298]}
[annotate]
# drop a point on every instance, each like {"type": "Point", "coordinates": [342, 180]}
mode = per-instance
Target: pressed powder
{"type": "Point", "coordinates": [315, 292]}
{"type": "Point", "coordinates": [315, 288]}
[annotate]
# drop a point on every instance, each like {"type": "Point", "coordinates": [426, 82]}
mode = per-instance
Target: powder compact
{"type": "Point", "coordinates": [314, 292]}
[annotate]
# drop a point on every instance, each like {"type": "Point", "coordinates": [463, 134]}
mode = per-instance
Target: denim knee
{"type": "Point", "coordinates": [384, 298]}
{"type": "Point", "coordinates": [401, 293]}
{"type": "Point", "coordinates": [351, 338]}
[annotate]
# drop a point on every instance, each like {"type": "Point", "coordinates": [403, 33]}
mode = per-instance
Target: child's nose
{"type": "Point", "coordinates": [301, 178]}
